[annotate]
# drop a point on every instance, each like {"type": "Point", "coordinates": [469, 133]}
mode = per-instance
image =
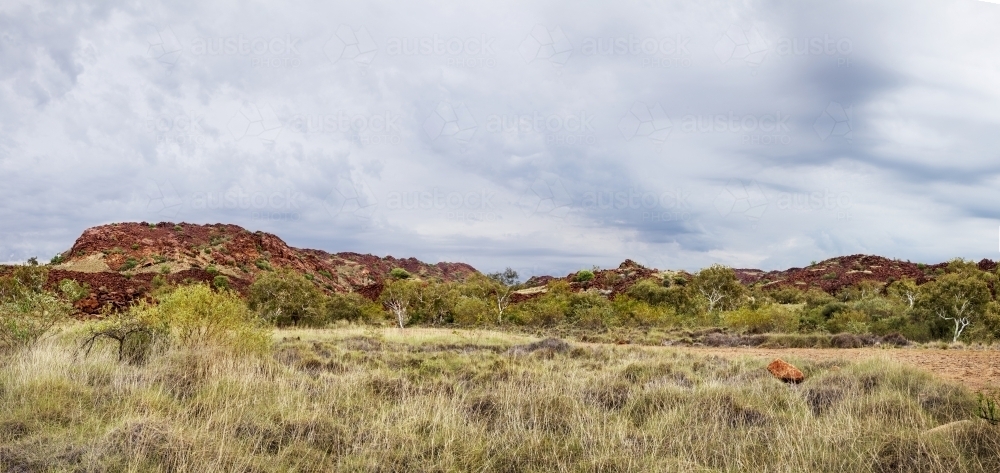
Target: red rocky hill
{"type": "Point", "coordinates": [831, 275]}
{"type": "Point", "coordinates": [834, 274]}
{"type": "Point", "coordinates": [119, 261]}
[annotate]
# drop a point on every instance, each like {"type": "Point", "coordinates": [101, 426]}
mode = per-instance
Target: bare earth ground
{"type": "Point", "coordinates": [978, 370]}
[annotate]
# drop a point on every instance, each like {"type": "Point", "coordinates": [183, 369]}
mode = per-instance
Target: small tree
{"type": "Point", "coordinates": [904, 289]}
{"type": "Point", "coordinates": [956, 297]}
{"type": "Point", "coordinates": [719, 286]}
{"type": "Point", "coordinates": [398, 296]}
{"type": "Point", "coordinates": [286, 298]}
{"type": "Point", "coordinates": [399, 273]}
{"type": "Point", "coordinates": [505, 284]}
{"type": "Point", "coordinates": [27, 311]}
{"type": "Point", "coordinates": [196, 317]}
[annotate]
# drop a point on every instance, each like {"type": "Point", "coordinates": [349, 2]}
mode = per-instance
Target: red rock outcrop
{"type": "Point", "coordinates": [785, 371]}
{"type": "Point", "coordinates": [119, 262]}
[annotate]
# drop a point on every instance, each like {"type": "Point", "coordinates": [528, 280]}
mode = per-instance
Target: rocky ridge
{"type": "Point", "coordinates": [119, 261]}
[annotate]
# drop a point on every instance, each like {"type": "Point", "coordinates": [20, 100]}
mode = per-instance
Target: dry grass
{"type": "Point", "coordinates": [356, 399]}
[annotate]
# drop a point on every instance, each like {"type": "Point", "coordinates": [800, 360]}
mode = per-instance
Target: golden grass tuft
{"type": "Point", "coordinates": [440, 400]}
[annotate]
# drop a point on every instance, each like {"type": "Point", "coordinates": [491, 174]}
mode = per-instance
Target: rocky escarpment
{"type": "Point", "coordinates": [119, 261]}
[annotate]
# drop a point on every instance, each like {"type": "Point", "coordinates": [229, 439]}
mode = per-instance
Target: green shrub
{"type": "Point", "coordinates": [287, 298]}
{"type": "Point", "coordinates": [676, 296]}
{"type": "Point", "coordinates": [584, 275]}
{"type": "Point", "coordinates": [769, 318]}
{"type": "Point", "coordinates": [57, 259]}
{"type": "Point", "coordinates": [22, 280]}
{"type": "Point", "coordinates": [159, 281]}
{"type": "Point", "coordinates": [136, 338]}
{"type": "Point", "coordinates": [27, 311]}
{"type": "Point", "coordinates": [325, 274]}
{"type": "Point", "coordinates": [638, 313]}
{"type": "Point", "coordinates": [471, 311]}
{"type": "Point", "coordinates": [197, 317]}
{"type": "Point", "coordinates": [263, 265]}
{"type": "Point", "coordinates": [129, 264]}
{"type": "Point", "coordinates": [73, 290]}
{"type": "Point", "coordinates": [27, 318]}
{"type": "Point", "coordinates": [787, 295]}
{"type": "Point", "coordinates": [351, 306]}
{"type": "Point", "coordinates": [850, 321]}
{"type": "Point", "coordinates": [399, 273]}
{"type": "Point", "coordinates": [220, 282]}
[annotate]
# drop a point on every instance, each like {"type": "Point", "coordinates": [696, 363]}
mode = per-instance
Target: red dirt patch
{"type": "Point", "coordinates": [978, 370]}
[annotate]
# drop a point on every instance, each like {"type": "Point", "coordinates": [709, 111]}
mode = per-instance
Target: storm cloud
{"type": "Point", "coordinates": [545, 136]}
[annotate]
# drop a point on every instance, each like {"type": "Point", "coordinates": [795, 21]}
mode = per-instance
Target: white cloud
{"type": "Point", "coordinates": [858, 127]}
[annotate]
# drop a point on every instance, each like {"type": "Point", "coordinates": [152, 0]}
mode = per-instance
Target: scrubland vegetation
{"type": "Point", "coordinates": [201, 380]}
{"type": "Point", "coordinates": [959, 305]}
{"type": "Point", "coordinates": [365, 399]}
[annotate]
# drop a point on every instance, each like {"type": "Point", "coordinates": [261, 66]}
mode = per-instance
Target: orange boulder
{"type": "Point", "coordinates": [785, 371]}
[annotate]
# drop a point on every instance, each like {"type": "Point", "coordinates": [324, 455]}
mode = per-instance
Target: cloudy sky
{"type": "Point", "coordinates": [547, 136]}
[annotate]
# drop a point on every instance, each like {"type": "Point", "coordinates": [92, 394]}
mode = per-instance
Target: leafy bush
{"type": "Point", "coordinates": [770, 318]}
{"type": "Point", "coordinates": [195, 316]}
{"type": "Point", "coordinates": [220, 282]}
{"type": "Point", "coordinates": [584, 275]}
{"type": "Point", "coordinates": [638, 313]}
{"type": "Point", "coordinates": [351, 306]}
{"type": "Point", "coordinates": [263, 265]}
{"type": "Point", "coordinates": [22, 280]}
{"type": "Point", "coordinates": [25, 319]}
{"type": "Point", "coordinates": [471, 311]}
{"type": "Point", "coordinates": [676, 296]}
{"type": "Point", "coordinates": [136, 337]}
{"type": "Point", "coordinates": [286, 298]}
{"type": "Point", "coordinates": [129, 264]}
{"type": "Point", "coordinates": [27, 311]}
{"type": "Point", "coordinates": [718, 287]}
{"type": "Point", "coordinates": [399, 273]}
{"type": "Point", "coordinates": [787, 295]}
{"type": "Point", "coordinates": [57, 259]}
{"type": "Point", "coordinates": [73, 290]}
